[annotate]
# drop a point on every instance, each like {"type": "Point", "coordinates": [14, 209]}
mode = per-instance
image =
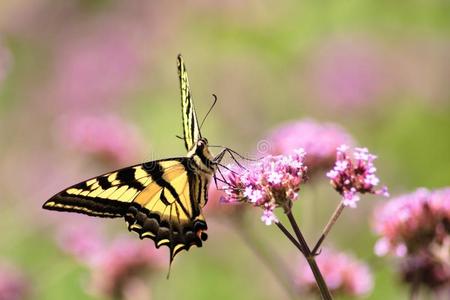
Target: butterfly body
{"type": "Point", "coordinates": [161, 199]}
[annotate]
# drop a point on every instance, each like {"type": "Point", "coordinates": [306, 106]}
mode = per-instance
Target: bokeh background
{"type": "Point", "coordinates": [89, 86]}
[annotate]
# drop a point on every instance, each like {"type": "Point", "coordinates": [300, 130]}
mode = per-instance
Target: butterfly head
{"type": "Point", "coordinates": [203, 158]}
{"type": "Point", "coordinates": [202, 143]}
{"type": "Point", "coordinates": [202, 148]}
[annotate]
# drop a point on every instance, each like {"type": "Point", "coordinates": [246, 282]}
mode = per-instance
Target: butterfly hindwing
{"type": "Point", "coordinates": [159, 200]}
{"type": "Point", "coordinates": [191, 129]}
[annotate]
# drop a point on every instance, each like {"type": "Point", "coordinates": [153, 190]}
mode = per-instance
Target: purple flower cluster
{"type": "Point", "coordinates": [354, 174]}
{"type": "Point", "coordinates": [319, 140]}
{"type": "Point", "coordinates": [343, 274]}
{"type": "Point", "coordinates": [273, 182]}
{"type": "Point", "coordinates": [416, 226]}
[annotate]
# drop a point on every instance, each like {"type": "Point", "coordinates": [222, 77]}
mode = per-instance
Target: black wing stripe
{"type": "Point", "coordinates": [105, 208]}
{"type": "Point", "coordinates": [188, 112]}
{"type": "Point", "coordinates": [187, 201]}
{"type": "Point", "coordinates": [191, 113]}
{"type": "Point", "coordinates": [163, 198]}
{"type": "Point", "coordinates": [157, 176]}
{"type": "Point", "coordinates": [128, 176]}
{"type": "Point", "coordinates": [103, 182]}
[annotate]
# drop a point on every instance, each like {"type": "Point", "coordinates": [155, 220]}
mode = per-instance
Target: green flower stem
{"type": "Point", "coordinates": [323, 288]}
{"type": "Point", "coordinates": [289, 235]}
{"type": "Point", "coordinates": [328, 227]}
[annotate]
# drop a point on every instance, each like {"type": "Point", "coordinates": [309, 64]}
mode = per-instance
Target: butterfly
{"type": "Point", "coordinates": [162, 199]}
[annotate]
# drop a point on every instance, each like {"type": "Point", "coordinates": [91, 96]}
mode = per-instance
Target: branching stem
{"type": "Point", "coordinates": [328, 227]}
{"type": "Point", "coordinates": [323, 288]}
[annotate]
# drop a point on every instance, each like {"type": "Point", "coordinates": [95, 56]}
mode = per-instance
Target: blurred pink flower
{"type": "Point", "coordinates": [81, 240]}
{"type": "Point", "coordinates": [120, 265]}
{"type": "Point", "coordinates": [116, 268]}
{"type": "Point", "coordinates": [13, 284]}
{"type": "Point", "coordinates": [273, 182]}
{"type": "Point", "coordinates": [424, 268]}
{"type": "Point", "coordinates": [94, 69]}
{"type": "Point", "coordinates": [416, 227]}
{"type": "Point", "coordinates": [343, 274]}
{"type": "Point", "coordinates": [413, 221]}
{"type": "Point", "coordinates": [347, 72]}
{"type": "Point", "coordinates": [105, 136]}
{"type": "Point", "coordinates": [319, 140]}
{"type": "Point", "coordinates": [353, 175]}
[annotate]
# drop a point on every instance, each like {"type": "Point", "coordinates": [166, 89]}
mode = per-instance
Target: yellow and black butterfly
{"type": "Point", "coordinates": [161, 199]}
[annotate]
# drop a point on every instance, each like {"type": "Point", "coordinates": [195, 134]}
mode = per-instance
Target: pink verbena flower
{"type": "Point", "coordinates": [416, 227]}
{"type": "Point", "coordinates": [13, 284]}
{"type": "Point", "coordinates": [412, 221]}
{"type": "Point", "coordinates": [121, 263]}
{"type": "Point", "coordinates": [319, 140]}
{"type": "Point", "coordinates": [107, 137]}
{"type": "Point", "coordinates": [273, 182]}
{"type": "Point", "coordinates": [354, 174]}
{"type": "Point", "coordinates": [343, 274]}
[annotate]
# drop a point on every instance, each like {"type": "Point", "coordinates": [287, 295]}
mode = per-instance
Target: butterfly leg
{"type": "Point", "coordinates": [219, 157]}
{"type": "Point", "coordinates": [234, 158]}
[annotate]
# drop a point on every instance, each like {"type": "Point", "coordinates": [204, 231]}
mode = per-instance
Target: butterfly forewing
{"type": "Point", "coordinates": [191, 129]}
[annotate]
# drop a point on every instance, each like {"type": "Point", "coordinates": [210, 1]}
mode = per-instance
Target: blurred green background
{"type": "Point", "coordinates": [380, 69]}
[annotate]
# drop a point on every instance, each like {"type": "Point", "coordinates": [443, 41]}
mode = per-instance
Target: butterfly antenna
{"type": "Point", "coordinates": [212, 106]}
